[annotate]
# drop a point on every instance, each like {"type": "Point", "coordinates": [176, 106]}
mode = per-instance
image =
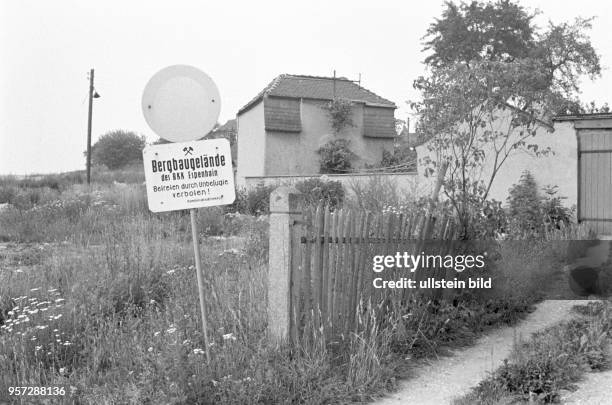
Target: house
{"type": "Point", "coordinates": [281, 128]}
{"type": "Point", "coordinates": [229, 132]}
{"type": "Point", "coordinates": [580, 165]}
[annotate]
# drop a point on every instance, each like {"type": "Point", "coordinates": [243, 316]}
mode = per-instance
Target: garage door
{"type": "Point", "coordinates": [595, 174]}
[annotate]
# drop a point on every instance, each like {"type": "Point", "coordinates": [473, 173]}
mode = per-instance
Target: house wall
{"type": "Point", "coordinates": [405, 183]}
{"type": "Point", "coordinates": [559, 168]}
{"type": "Point", "coordinates": [294, 153]}
{"type": "Point", "coordinates": [251, 144]}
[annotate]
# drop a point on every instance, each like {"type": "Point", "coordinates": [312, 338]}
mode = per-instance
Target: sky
{"type": "Point", "coordinates": [48, 47]}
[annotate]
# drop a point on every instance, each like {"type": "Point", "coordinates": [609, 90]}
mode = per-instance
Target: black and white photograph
{"type": "Point", "coordinates": [305, 202]}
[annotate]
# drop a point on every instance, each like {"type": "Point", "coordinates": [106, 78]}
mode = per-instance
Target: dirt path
{"type": "Point", "coordinates": [594, 389]}
{"type": "Point", "coordinates": [451, 377]}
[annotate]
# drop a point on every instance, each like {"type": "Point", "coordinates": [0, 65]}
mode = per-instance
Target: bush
{"type": "Point", "coordinates": [316, 190]}
{"type": "Point", "coordinates": [258, 200]}
{"type": "Point", "coordinates": [555, 214]}
{"type": "Point", "coordinates": [400, 160]}
{"type": "Point", "coordinates": [336, 156]}
{"type": "Point", "coordinates": [118, 148]}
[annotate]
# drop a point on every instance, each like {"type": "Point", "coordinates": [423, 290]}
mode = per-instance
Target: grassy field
{"type": "Point", "coordinates": [98, 295]}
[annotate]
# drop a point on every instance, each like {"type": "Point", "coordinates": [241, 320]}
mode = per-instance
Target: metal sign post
{"type": "Point", "coordinates": [181, 104]}
{"type": "Point", "coordinates": [196, 250]}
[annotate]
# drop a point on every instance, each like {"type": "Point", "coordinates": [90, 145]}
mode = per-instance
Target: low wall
{"type": "Point", "coordinates": [404, 183]}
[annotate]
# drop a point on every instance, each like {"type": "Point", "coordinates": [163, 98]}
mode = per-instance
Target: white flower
{"type": "Point", "coordinates": [150, 349]}
{"type": "Point", "coordinates": [171, 330]}
{"type": "Point", "coordinates": [156, 333]}
{"type": "Point", "coordinates": [229, 336]}
{"type": "Point", "coordinates": [62, 370]}
{"type": "Point", "coordinates": [198, 351]}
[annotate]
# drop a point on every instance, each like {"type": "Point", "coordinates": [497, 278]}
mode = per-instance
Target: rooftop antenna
{"type": "Point", "coordinates": [358, 82]}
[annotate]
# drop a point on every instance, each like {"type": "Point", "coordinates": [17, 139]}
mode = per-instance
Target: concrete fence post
{"type": "Point", "coordinates": [285, 214]}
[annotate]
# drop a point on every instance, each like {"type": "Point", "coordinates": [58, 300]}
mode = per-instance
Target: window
{"type": "Point", "coordinates": [282, 114]}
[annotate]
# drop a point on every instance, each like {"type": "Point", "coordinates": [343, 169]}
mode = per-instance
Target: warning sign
{"type": "Point", "coordinates": [189, 175]}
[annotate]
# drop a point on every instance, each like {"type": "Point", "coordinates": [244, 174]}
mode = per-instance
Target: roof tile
{"type": "Point", "coordinates": [317, 87]}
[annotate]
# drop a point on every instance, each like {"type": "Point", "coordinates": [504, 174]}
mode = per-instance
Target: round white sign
{"type": "Point", "coordinates": [181, 103]}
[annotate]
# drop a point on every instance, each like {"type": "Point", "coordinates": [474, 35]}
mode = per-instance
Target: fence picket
{"type": "Point", "coordinates": [332, 274]}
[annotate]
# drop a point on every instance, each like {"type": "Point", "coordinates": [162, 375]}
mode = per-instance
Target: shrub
{"type": "Point", "coordinates": [258, 200]}
{"type": "Point", "coordinates": [336, 156]}
{"type": "Point", "coordinates": [525, 204]}
{"type": "Point", "coordinates": [376, 193]}
{"type": "Point", "coordinates": [340, 113]}
{"type": "Point", "coordinates": [315, 190]}
{"type": "Point", "coordinates": [118, 148]}
{"type": "Point", "coordinates": [555, 214]}
{"type": "Point", "coordinates": [401, 160]}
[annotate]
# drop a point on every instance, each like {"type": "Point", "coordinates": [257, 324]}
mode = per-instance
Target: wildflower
{"type": "Point", "coordinates": [37, 348]}
{"type": "Point", "coordinates": [18, 271]}
{"type": "Point", "coordinates": [150, 349]}
{"type": "Point", "coordinates": [156, 333]}
{"type": "Point", "coordinates": [67, 343]}
{"type": "Point", "coordinates": [198, 351]}
{"type": "Point", "coordinates": [186, 342]}
{"type": "Point", "coordinates": [42, 327]}
{"type": "Point", "coordinates": [229, 336]}
{"type": "Point", "coordinates": [62, 370]}
{"type": "Point", "coordinates": [171, 330]}
{"type": "Point", "coordinates": [170, 272]}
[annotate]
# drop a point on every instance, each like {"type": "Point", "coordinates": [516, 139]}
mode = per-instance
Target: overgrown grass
{"type": "Point", "coordinates": [551, 361]}
{"type": "Point", "coordinates": [98, 295]}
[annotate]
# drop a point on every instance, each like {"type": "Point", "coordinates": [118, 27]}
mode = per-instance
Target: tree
{"type": "Point", "coordinates": [470, 32]}
{"type": "Point", "coordinates": [525, 203]}
{"type": "Point", "coordinates": [118, 148]}
{"type": "Point", "coordinates": [489, 90]}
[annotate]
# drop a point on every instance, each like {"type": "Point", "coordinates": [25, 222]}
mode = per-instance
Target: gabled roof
{"type": "Point", "coordinates": [229, 126]}
{"type": "Point", "coordinates": [576, 117]}
{"type": "Point", "coordinates": [317, 88]}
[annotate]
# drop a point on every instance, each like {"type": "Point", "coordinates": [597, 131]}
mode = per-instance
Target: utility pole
{"type": "Point", "coordinates": [91, 91]}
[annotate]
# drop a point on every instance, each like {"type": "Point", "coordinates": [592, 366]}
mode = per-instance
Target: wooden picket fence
{"type": "Point", "coordinates": [331, 263]}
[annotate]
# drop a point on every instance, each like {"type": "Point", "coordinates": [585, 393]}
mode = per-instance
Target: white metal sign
{"type": "Point", "coordinates": [181, 103]}
{"type": "Point", "coordinates": [189, 175]}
